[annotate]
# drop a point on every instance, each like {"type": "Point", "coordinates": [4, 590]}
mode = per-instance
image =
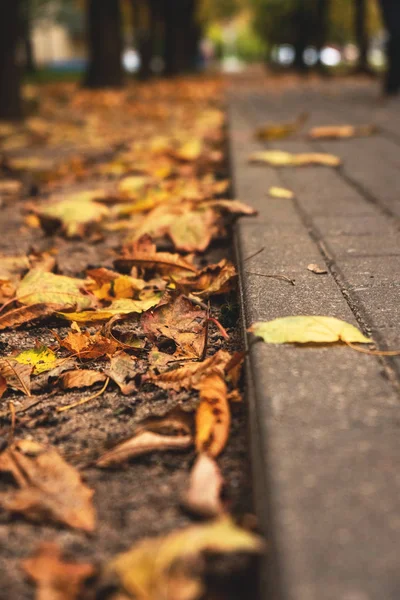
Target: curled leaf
{"type": "Point", "coordinates": [17, 375]}
{"type": "Point", "coordinates": [204, 494]}
{"type": "Point", "coordinates": [331, 132]}
{"type": "Point", "coordinates": [81, 378]}
{"type": "Point", "coordinates": [26, 314]}
{"type": "Point", "coordinates": [278, 158]}
{"type": "Point", "coordinates": [213, 415]}
{"type": "Point", "coordinates": [49, 488]}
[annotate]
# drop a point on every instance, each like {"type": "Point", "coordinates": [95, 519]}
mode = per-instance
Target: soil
{"type": "Point", "coordinates": [144, 497]}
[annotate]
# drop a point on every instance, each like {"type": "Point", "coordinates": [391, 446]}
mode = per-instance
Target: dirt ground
{"type": "Point", "coordinates": [142, 498]}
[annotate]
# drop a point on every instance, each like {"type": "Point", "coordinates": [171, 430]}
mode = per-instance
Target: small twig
{"type": "Point", "coordinates": [218, 325]}
{"type": "Point", "coordinates": [254, 254]}
{"type": "Point", "coordinates": [374, 352]}
{"type": "Point", "coordinates": [281, 277]}
{"type": "Point", "coordinates": [84, 400]}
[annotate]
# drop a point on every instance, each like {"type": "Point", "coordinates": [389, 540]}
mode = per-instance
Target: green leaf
{"type": "Point", "coordinates": [305, 329]}
{"type": "Point", "coordinates": [38, 287]}
{"type": "Point", "coordinates": [41, 359]}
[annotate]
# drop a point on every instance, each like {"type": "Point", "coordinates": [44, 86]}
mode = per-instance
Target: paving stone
{"type": "Point", "coordinates": [325, 420]}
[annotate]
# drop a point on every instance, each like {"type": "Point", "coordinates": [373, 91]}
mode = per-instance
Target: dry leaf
{"type": "Point", "coordinates": [193, 230]}
{"type": "Point", "coordinates": [26, 314]}
{"type": "Point", "coordinates": [168, 567]}
{"type": "Point", "coordinates": [212, 280]}
{"type": "Point", "coordinates": [180, 321]}
{"type": "Point", "coordinates": [306, 329]}
{"type": "Point", "coordinates": [279, 192]}
{"type": "Point", "coordinates": [341, 131]}
{"type": "Point", "coordinates": [278, 158]}
{"type": "Point", "coordinates": [163, 262]}
{"type": "Point", "coordinates": [49, 488]}
{"type": "Point", "coordinates": [316, 269]}
{"type": "Point", "coordinates": [17, 375]}
{"type": "Point", "coordinates": [123, 306]}
{"type": "Point", "coordinates": [39, 287]}
{"type": "Point", "coordinates": [122, 371]}
{"type": "Point", "coordinates": [204, 494]}
{"type": "Point", "coordinates": [143, 443]}
{"type": "Point", "coordinates": [80, 378]}
{"type": "Point", "coordinates": [213, 415]}
{"type": "Point", "coordinates": [276, 131]}
{"type": "Point", "coordinates": [88, 346]}
{"type": "Point", "coordinates": [191, 374]}
{"type": "Point", "coordinates": [74, 214]}
{"type": "Point", "coordinates": [231, 206]}
{"type": "Point", "coordinates": [55, 578]}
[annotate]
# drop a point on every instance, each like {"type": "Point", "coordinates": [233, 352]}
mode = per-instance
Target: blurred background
{"type": "Point", "coordinates": [103, 42]}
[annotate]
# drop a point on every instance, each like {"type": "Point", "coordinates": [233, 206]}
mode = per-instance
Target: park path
{"type": "Point", "coordinates": [325, 420]}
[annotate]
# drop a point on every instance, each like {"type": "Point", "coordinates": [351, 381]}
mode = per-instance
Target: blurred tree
{"type": "Point", "coordinates": [361, 35]}
{"type": "Point", "coordinates": [26, 31]}
{"type": "Point", "coordinates": [10, 30]}
{"type": "Point", "coordinates": [182, 32]}
{"type": "Point", "coordinates": [105, 44]}
{"type": "Point", "coordinates": [391, 15]}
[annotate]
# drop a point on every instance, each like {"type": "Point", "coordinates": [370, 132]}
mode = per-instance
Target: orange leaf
{"type": "Point", "coordinates": [213, 415]}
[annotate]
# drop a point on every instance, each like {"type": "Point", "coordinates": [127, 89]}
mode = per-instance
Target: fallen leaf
{"type": "Point", "coordinates": [49, 488]}
{"type": "Point", "coordinates": [278, 192]}
{"type": "Point", "coordinates": [26, 314]}
{"type": "Point", "coordinates": [341, 131]}
{"type": "Point", "coordinates": [3, 385]}
{"type": "Point", "coordinates": [167, 567]}
{"type": "Point", "coordinates": [316, 269]}
{"type": "Point", "coordinates": [213, 415]}
{"type": "Point", "coordinates": [74, 214]}
{"type": "Point", "coordinates": [210, 281]}
{"type": "Point", "coordinates": [87, 346]}
{"type": "Point", "coordinates": [191, 374]}
{"type": "Point", "coordinates": [55, 578]}
{"type": "Point", "coordinates": [122, 371]}
{"type": "Point", "coordinates": [17, 376]}
{"type": "Point", "coordinates": [276, 131]}
{"type": "Point", "coordinates": [278, 158]}
{"type": "Point", "coordinates": [143, 443]}
{"type": "Point", "coordinates": [164, 263]}
{"type": "Point", "coordinates": [193, 230]}
{"type": "Point", "coordinates": [123, 306]}
{"type": "Point", "coordinates": [231, 206]}
{"type": "Point", "coordinates": [41, 359]}
{"type": "Point", "coordinates": [306, 329]}
{"type": "Point", "coordinates": [10, 186]}
{"type": "Point", "coordinates": [204, 494]}
{"type": "Point", "coordinates": [132, 185]}
{"type": "Point", "coordinates": [38, 287]}
{"type": "Point", "coordinates": [81, 378]}
{"type": "Point", "coordinates": [180, 321]}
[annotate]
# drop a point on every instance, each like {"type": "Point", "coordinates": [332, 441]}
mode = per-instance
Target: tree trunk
{"type": "Point", "coordinates": [105, 45]}
{"type": "Point", "coordinates": [391, 17]}
{"type": "Point", "coordinates": [181, 37]}
{"type": "Point", "coordinates": [10, 77]}
{"type": "Point", "coordinates": [361, 34]}
{"type": "Point", "coordinates": [144, 14]}
{"type": "Point", "coordinates": [322, 27]}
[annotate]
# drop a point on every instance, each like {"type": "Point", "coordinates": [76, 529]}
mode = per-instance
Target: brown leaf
{"type": "Point", "coordinates": [164, 263]}
{"type": "Point", "coordinates": [204, 494]}
{"type": "Point", "coordinates": [191, 373]}
{"type": "Point", "coordinates": [3, 385]}
{"type": "Point", "coordinates": [122, 371]}
{"type": "Point", "coordinates": [316, 269]}
{"type": "Point", "coordinates": [143, 443]}
{"type": "Point", "coordinates": [81, 378]}
{"type": "Point", "coordinates": [25, 314]}
{"type": "Point", "coordinates": [49, 488]}
{"type": "Point", "coordinates": [212, 280]}
{"type": "Point", "coordinates": [213, 415]}
{"type": "Point", "coordinates": [56, 579]}
{"type": "Point", "coordinates": [231, 206]}
{"type": "Point", "coordinates": [86, 345]}
{"type": "Point", "coordinates": [17, 375]}
{"type": "Point", "coordinates": [180, 321]}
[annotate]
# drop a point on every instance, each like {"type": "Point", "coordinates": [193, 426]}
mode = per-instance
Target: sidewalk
{"type": "Point", "coordinates": [325, 420]}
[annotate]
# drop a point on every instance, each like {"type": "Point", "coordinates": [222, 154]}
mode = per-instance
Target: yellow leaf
{"type": "Point", "coordinates": [341, 131]}
{"type": "Point", "coordinates": [213, 416]}
{"type": "Point", "coordinates": [160, 567]}
{"type": "Point", "coordinates": [123, 306]}
{"type": "Point", "coordinates": [41, 359]}
{"type": "Point", "coordinates": [305, 329]}
{"type": "Point", "coordinates": [275, 131]}
{"type": "Point", "coordinates": [75, 212]}
{"type": "Point", "coordinates": [278, 158]}
{"type": "Point", "coordinates": [278, 192]}
{"type": "Point", "coordinates": [38, 287]}
{"type": "Point", "coordinates": [130, 186]}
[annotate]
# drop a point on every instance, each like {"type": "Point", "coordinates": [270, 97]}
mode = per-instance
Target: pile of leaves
{"type": "Point", "coordinates": [133, 184]}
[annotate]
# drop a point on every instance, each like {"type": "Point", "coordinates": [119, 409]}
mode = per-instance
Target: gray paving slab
{"type": "Point", "coordinates": [325, 420]}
